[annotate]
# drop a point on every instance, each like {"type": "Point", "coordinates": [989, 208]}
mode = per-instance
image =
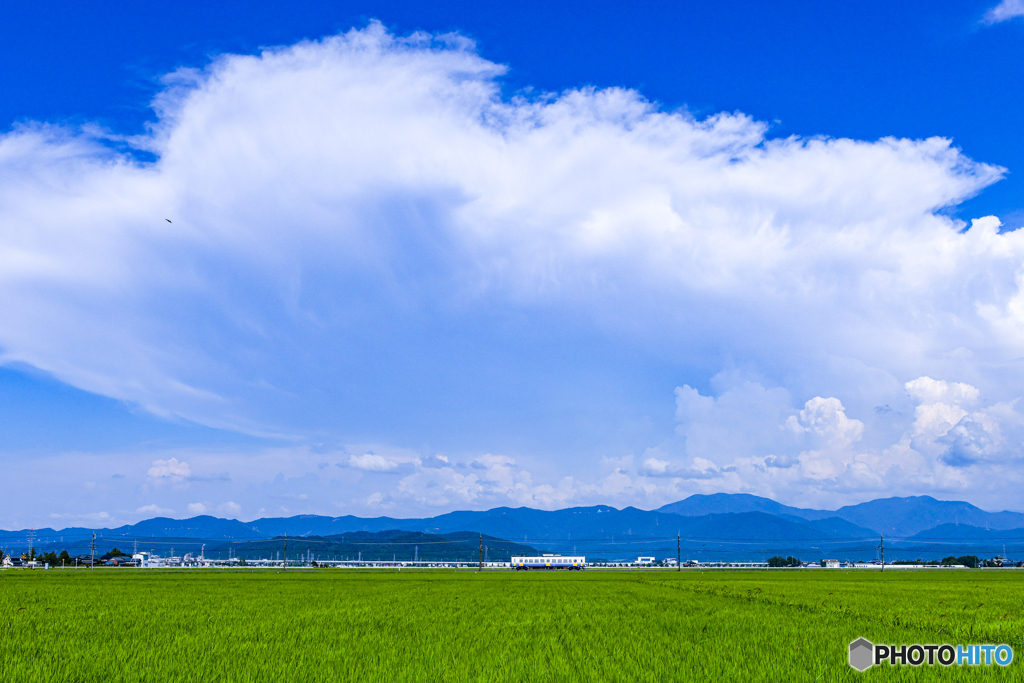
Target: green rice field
{"type": "Point", "coordinates": [422, 625]}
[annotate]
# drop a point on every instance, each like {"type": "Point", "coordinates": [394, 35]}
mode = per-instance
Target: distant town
{"type": "Point", "coordinates": [115, 559]}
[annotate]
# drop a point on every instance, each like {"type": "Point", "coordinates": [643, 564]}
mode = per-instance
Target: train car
{"type": "Point", "coordinates": [524, 562]}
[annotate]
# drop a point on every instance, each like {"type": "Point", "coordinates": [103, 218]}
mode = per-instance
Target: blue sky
{"type": "Point", "coordinates": [426, 258]}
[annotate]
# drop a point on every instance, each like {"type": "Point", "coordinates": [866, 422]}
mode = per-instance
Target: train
{"type": "Point", "coordinates": [570, 562]}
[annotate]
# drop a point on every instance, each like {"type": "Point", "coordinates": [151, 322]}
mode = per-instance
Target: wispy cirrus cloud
{"type": "Point", "coordinates": [372, 462]}
{"type": "Point", "coordinates": [153, 509]}
{"type": "Point", "coordinates": [1004, 11]}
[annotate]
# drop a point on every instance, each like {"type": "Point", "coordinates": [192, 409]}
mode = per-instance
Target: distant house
{"type": "Point", "coordinates": [832, 564]}
{"type": "Point", "coordinates": [645, 560]}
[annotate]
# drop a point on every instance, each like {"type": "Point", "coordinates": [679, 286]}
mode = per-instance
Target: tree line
{"type": "Point", "coordinates": [54, 559]}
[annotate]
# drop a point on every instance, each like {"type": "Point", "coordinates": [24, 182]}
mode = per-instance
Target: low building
{"type": "Point", "coordinates": [832, 564]}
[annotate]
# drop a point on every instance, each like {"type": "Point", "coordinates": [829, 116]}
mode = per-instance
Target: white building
{"type": "Point", "coordinates": [148, 561]}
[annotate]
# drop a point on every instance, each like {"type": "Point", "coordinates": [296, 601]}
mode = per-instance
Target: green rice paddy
{"type": "Point", "coordinates": [351, 625]}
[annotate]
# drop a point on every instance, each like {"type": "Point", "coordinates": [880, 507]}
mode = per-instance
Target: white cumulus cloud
{"type": "Point", "coordinates": [363, 172]}
{"type": "Point", "coordinates": [938, 441]}
{"type": "Point", "coordinates": [928, 390]}
{"type": "Point", "coordinates": [346, 212]}
{"type": "Point", "coordinates": [170, 470]}
{"type": "Point", "coordinates": [825, 418]}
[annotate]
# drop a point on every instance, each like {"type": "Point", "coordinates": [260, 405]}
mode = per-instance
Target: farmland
{"type": "Point", "coordinates": [425, 625]}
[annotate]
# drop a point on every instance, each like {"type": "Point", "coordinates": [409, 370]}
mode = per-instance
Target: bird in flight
{"type": "Point", "coordinates": [168, 220]}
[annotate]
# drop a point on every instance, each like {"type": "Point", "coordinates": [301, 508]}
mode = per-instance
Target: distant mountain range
{"type": "Point", "coordinates": [715, 526]}
{"type": "Point", "coordinates": [896, 517]}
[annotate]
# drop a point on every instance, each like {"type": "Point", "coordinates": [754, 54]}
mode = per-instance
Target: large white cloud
{"type": "Point", "coordinates": [937, 441]}
{"type": "Point", "coordinates": [338, 204]}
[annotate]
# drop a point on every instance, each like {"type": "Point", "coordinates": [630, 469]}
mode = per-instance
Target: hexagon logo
{"type": "Point", "coordinates": [861, 654]}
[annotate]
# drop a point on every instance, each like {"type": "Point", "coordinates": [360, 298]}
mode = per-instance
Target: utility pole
{"type": "Point", "coordinates": [92, 546]}
{"type": "Point", "coordinates": [679, 556]}
{"type": "Point", "coordinates": [31, 538]}
{"type": "Point", "coordinates": [284, 565]}
{"type": "Point", "coordinates": [481, 552]}
{"type": "Point", "coordinates": [881, 550]}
